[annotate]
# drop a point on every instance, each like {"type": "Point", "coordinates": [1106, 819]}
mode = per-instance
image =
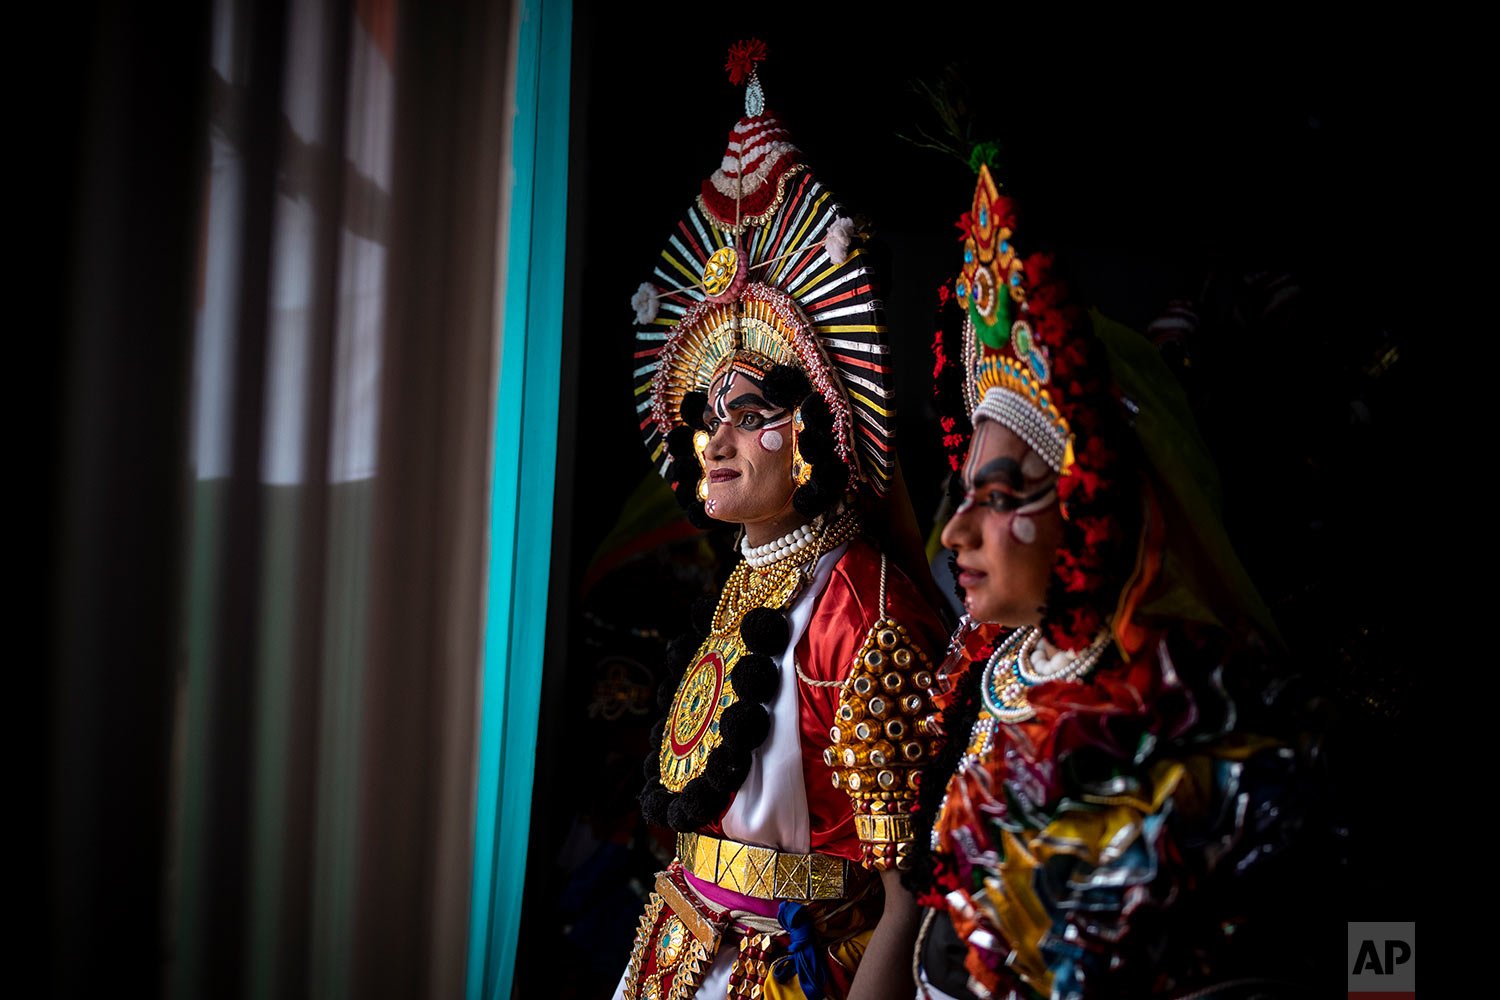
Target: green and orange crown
{"type": "Point", "coordinates": [1009, 368]}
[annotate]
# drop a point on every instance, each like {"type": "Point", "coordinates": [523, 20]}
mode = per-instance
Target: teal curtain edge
{"type": "Point", "coordinates": [521, 493]}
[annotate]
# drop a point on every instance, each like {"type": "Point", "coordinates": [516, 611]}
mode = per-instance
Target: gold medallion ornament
{"type": "Point", "coordinates": [719, 271]}
{"type": "Point", "coordinates": [670, 943]}
{"type": "Point", "coordinates": [693, 724]}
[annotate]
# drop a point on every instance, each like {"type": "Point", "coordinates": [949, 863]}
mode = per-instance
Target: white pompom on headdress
{"type": "Point", "coordinates": [645, 302]}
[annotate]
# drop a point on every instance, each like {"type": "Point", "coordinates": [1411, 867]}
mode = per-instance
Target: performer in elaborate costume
{"type": "Point", "coordinates": [788, 759]}
{"type": "Point", "coordinates": [1117, 809]}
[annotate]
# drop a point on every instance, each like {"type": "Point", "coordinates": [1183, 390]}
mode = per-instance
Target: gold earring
{"type": "Point", "coordinates": [801, 468]}
{"type": "Point", "coordinates": [700, 445]}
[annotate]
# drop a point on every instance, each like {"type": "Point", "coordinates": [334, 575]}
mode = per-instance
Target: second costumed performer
{"type": "Point", "coordinates": [1131, 804]}
{"type": "Point", "coordinates": [788, 757]}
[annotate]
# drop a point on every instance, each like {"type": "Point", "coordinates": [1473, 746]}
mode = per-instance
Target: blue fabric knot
{"type": "Point", "coordinates": [802, 953]}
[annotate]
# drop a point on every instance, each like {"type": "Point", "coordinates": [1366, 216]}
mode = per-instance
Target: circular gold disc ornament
{"type": "Point", "coordinates": [720, 270]}
{"type": "Point", "coordinates": [693, 723]}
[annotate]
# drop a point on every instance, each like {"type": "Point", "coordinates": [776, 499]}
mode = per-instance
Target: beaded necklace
{"type": "Point", "coordinates": [1011, 670]}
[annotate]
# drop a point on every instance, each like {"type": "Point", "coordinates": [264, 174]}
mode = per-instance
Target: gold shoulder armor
{"type": "Point", "coordinates": [877, 749]}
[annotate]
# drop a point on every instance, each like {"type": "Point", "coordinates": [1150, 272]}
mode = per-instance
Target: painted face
{"type": "Point", "coordinates": [748, 455]}
{"type": "Point", "coordinates": [1006, 532]}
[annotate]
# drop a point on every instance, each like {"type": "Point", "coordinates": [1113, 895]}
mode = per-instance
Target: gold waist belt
{"type": "Point", "coordinates": [762, 872]}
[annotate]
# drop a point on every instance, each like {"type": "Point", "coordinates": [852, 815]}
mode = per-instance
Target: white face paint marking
{"type": "Point", "coordinates": [1033, 466]}
{"type": "Point", "coordinates": [1022, 529]}
{"type": "Point", "coordinates": [758, 484]}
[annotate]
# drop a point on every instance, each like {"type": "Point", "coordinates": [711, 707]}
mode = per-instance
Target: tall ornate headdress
{"type": "Point", "coordinates": [765, 262]}
{"type": "Point", "coordinates": [1008, 356]}
{"type": "Point", "coordinates": [1033, 364]}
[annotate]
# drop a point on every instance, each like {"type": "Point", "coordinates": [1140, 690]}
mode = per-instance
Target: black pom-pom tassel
{"type": "Point", "coordinates": [816, 447]}
{"type": "Point", "coordinates": [699, 518]}
{"type": "Point", "coordinates": [810, 499]}
{"type": "Point", "coordinates": [786, 386]}
{"type": "Point", "coordinates": [816, 416]}
{"type": "Point", "coordinates": [726, 771]}
{"type": "Point", "coordinates": [680, 443]}
{"type": "Point", "coordinates": [685, 489]}
{"type": "Point", "coordinates": [687, 498]}
{"type": "Point", "coordinates": [755, 677]}
{"type": "Point", "coordinates": [765, 630]}
{"type": "Point", "coordinates": [745, 723]}
{"type": "Point", "coordinates": [680, 652]}
{"type": "Point", "coordinates": [656, 803]}
{"type": "Point", "coordinates": [701, 613]}
{"type": "Point", "coordinates": [953, 571]}
{"type": "Point", "coordinates": [691, 410]}
{"type": "Point", "coordinates": [831, 476]}
{"type": "Point", "coordinates": [696, 805]}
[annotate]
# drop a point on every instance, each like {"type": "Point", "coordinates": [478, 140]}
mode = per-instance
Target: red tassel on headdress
{"type": "Point", "coordinates": [743, 55]}
{"type": "Point", "coordinates": [965, 225]}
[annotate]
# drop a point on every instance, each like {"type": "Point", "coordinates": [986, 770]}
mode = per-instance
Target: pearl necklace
{"type": "Point", "coordinates": [1011, 670]}
{"type": "Point", "coordinates": [794, 541]}
{"type": "Point", "coordinates": [751, 580]}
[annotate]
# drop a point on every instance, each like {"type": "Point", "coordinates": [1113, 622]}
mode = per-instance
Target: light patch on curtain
{"type": "Point", "coordinates": [362, 259]}
{"type": "Point", "coordinates": [294, 264]}
{"type": "Point", "coordinates": [213, 337]}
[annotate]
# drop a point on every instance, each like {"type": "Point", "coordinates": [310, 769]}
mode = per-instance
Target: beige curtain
{"type": "Point", "coordinates": [302, 770]}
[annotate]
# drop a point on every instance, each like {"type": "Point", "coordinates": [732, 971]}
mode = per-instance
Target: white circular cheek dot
{"type": "Point", "coordinates": [772, 440]}
{"type": "Point", "coordinates": [1023, 529]}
